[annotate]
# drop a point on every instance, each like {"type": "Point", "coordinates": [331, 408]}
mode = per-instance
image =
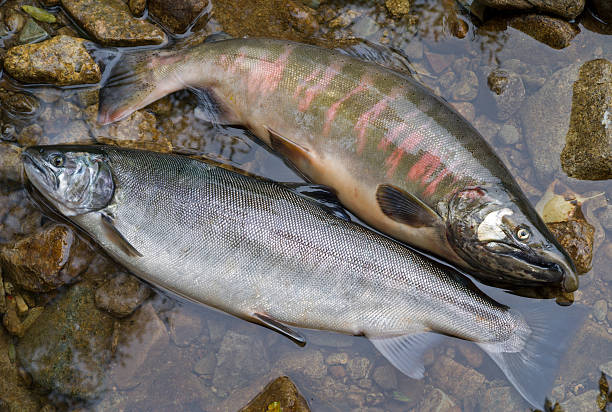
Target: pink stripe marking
{"type": "Point", "coordinates": [431, 188]}
{"type": "Point", "coordinates": [333, 109]}
{"type": "Point", "coordinates": [265, 77]}
{"type": "Point", "coordinates": [313, 75]}
{"type": "Point", "coordinates": [407, 145]}
{"type": "Point", "coordinates": [424, 167]}
{"type": "Point", "coordinates": [391, 136]}
{"type": "Point", "coordinates": [315, 89]}
{"type": "Point", "coordinates": [368, 117]}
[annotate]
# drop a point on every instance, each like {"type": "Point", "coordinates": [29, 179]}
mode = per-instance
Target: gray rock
{"type": "Point", "coordinates": [585, 402]}
{"type": "Point", "coordinates": [606, 368]}
{"type": "Point", "coordinates": [121, 295]}
{"type": "Point", "coordinates": [111, 23]}
{"type": "Point", "coordinates": [240, 358]}
{"type": "Point", "coordinates": [504, 398]}
{"type": "Point", "coordinates": [307, 362]}
{"type": "Point", "coordinates": [69, 347]}
{"type": "Point", "coordinates": [545, 117]}
{"type": "Point", "coordinates": [509, 134]}
{"type": "Point", "coordinates": [600, 310]}
{"type": "Point", "coordinates": [508, 92]}
{"type": "Point", "coordinates": [564, 8]}
{"type": "Point", "coordinates": [365, 27]}
{"type": "Point", "coordinates": [588, 150]}
{"type": "Point", "coordinates": [32, 33]}
{"type": "Point", "coordinates": [385, 377]}
{"type": "Point", "coordinates": [185, 327]}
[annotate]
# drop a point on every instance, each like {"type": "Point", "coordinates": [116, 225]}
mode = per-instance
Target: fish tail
{"type": "Point", "coordinates": [136, 80]}
{"type": "Point", "coordinates": [541, 344]}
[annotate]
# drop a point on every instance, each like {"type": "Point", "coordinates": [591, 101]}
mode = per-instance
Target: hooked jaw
{"type": "Point", "coordinates": [567, 270]}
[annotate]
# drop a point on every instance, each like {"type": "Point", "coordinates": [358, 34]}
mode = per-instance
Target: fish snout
{"type": "Point", "coordinates": [565, 270]}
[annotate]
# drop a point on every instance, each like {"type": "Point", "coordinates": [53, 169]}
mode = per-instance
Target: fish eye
{"type": "Point", "coordinates": [523, 233]}
{"type": "Point", "coordinates": [57, 160]}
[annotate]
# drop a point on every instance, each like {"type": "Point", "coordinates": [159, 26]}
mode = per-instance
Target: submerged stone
{"type": "Point", "coordinates": [576, 236]}
{"type": "Point", "coordinates": [61, 61]}
{"type": "Point", "coordinates": [553, 32]}
{"type": "Point", "coordinates": [279, 395]}
{"type": "Point", "coordinates": [177, 15]}
{"type": "Point", "coordinates": [45, 260]}
{"type": "Point", "coordinates": [121, 295]}
{"type": "Point", "coordinates": [588, 150]}
{"type": "Point", "coordinates": [11, 166]}
{"type": "Point", "coordinates": [32, 33]}
{"type": "Point", "coordinates": [110, 23]}
{"type": "Point", "coordinates": [13, 392]}
{"type": "Point", "coordinates": [508, 92]}
{"type": "Point", "coordinates": [437, 401]}
{"type": "Point", "coordinates": [69, 347]}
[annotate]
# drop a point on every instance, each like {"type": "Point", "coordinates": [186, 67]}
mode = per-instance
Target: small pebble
{"type": "Point", "coordinates": [509, 134]}
{"type": "Point", "coordinates": [600, 310]}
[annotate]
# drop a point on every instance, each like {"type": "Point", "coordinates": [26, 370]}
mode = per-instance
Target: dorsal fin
{"type": "Point", "coordinates": [403, 207]}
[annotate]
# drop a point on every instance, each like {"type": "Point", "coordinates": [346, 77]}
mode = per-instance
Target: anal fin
{"type": "Point", "coordinates": [299, 155]}
{"type": "Point", "coordinates": [403, 207]}
{"type": "Point", "coordinates": [323, 195]}
{"type": "Point", "coordinates": [280, 328]}
{"type": "Point", "coordinates": [211, 108]}
{"type": "Point", "coordinates": [116, 237]}
{"type": "Point", "coordinates": [405, 352]}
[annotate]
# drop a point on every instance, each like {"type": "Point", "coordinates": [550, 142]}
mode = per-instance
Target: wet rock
{"type": "Point", "coordinates": [110, 23]}
{"type": "Point", "coordinates": [585, 402]}
{"type": "Point", "coordinates": [606, 368]}
{"type": "Point", "coordinates": [14, 21]}
{"type": "Point", "coordinates": [137, 7]}
{"type": "Point", "coordinates": [121, 295]}
{"type": "Point", "coordinates": [359, 368]}
{"type": "Point", "coordinates": [554, 32]}
{"type": "Point", "coordinates": [75, 132]}
{"type": "Point", "coordinates": [564, 8]}
{"type": "Point", "coordinates": [39, 14]}
{"type": "Point", "coordinates": [20, 107]}
{"type": "Point", "coordinates": [588, 150]}
{"type": "Point", "coordinates": [185, 326]}
{"type": "Point", "coordinates": [600, 310]}
{"type": "Point", "coordinates": [176, 15]}
{"type": "Point", "coordinates": [385, 377]}
{"type": "Point", "coordinates": [509, 134]}
{"type": "Point", "coordinates": [11, 166]}
{"type": "Point", "coordinates": [398, 8]}
{"type": "Point", "coordinates": [576, 237]}
{"type": "Point", "coordinates": [546, 117]}
{"type": "Point", "coordinates": [30, 135]}
{"type": "Point", "coordinates": [438, 401]}
{"type": "Point", "coordinates": [32, 33]}
{"type": "Point", "coordinates": [45, 260]}
{"type": "Point", "coordinates": [68, 348]}
{"type": "Point", "coordinates": [504, 398]}
{"type": "Point", "coordinates": [280, 394]}
{"type": "Point", "coordinates": [365, 27]}
{"type": "Point", "coordinates": [142, 337]}
{"type": "Point", "coordinates": [61, 61]}
{"type": "Point", "coordinates": [13, 393]}
{"type": "Point", "coordinates": [456, 379]}
{"type": "Point", "coordinates": [603, 10]}
{"type": "Point", "coordinates": [138, 130]}
{"type": "Point", "coordinates": [467, 87]}
{"type": "Point", "coordinates": [307, 362]}
{"type": "Point", "coordinates": [508, 92]}
{"type": "Point", "coordinates": [239, 359]}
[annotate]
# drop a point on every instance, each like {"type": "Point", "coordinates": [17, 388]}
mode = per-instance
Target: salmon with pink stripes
{"type": "Point", "coordinates": [396, 155]}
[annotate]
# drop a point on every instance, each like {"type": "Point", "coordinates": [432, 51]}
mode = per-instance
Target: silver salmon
{"type": "Point", "coordinates": [257, 250]}
{"type": "Point", "coordinates": [397, 156]}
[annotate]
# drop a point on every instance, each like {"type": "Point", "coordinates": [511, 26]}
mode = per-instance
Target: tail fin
{"type": "Point", "coordinates": [136, 81]}
{"type": "Point", "coordinates": [532, 370]}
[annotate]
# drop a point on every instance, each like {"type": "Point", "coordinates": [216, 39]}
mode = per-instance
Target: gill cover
{"type": "Point", "coordinates": [73, 181]}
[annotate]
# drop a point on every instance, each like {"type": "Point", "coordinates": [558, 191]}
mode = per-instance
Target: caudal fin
{"type": "Point", "coordinates": [136, 80]}
{"type": "Point", "coordinates": [532, 370]}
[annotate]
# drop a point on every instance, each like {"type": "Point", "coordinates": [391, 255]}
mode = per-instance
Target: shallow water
{"type": "Point", "coordinates": [199, 359]}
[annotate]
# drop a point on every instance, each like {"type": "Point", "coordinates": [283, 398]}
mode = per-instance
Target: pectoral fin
{"type": "Point", "coordinates": [403, 207]}
{"type": "Point", "coordinates": [406, 352]}
{"type": "Point", "coordinates": [280, 328]}
{"type": "Point", "coordinates": [299, 155]}
{"type": "Point", "coordinates": [323, 195]}
{"type": "Point", "coordinates": [116, 237]}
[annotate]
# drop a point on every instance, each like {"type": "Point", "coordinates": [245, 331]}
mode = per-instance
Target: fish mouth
{"type": "Point", "coordinates": [44, 175]}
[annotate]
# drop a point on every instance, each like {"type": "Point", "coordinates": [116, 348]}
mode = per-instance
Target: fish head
{"type": "Point", "coordinates": [503, 236]}
{"type": "Point", "coordinates": [73, 180]}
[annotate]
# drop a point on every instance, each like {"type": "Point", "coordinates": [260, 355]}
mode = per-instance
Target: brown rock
{"type": "Point", "coordinates": [121, 295]}
{"type": "Point", "coordinates": [11, 167]}
{"type": "Point", "coordinates": [398, 8]}
{"type": "Point", "coordinates": [576, 236]}
{"type": "Point", "coordinates": [281, 391]}
{"type": "Point", "coordinates": [337, 371]}
{"type": "Point", "coordinates": [504, 398]}
{"type": "Point", "coordinates": [471, 353]}
{"type": "Point", "coordinates": [177, 15]}
{"type": "Point", "coordinates": [564, 8]}
{"type": "Point", "coordinates": [554, 32]}
{"type": "Point", "coordinates": [456, 379]}
{"type": "Point", "coordinates": [588, 150]}
{"type": "Point", "coordinates": [13, 392]}
{"type": "Point", "coordinates": [438, 401]}
{"type": "Point", "coordinates": [45, 260]}
{"type": "Point", "coordinates": [61, 61]}
{"type": "Point", "coordinates": [137, 7]}
{"type": "Point", "coordinates": [111, 23]}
